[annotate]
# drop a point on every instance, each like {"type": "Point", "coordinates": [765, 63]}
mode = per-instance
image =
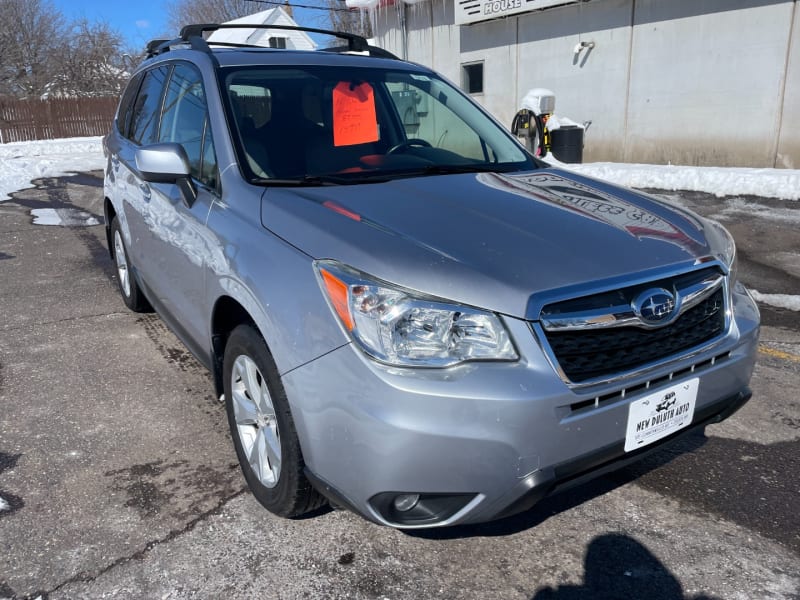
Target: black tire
{"type": "Point", "coordinates": [129, 289]}
{"type": "Point", "coordinates": [289, 493]}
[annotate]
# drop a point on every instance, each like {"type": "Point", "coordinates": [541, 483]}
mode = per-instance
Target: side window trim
{"type": "Point", "coordinates": [126, 108]}
{"type": "Point", "coordinates": [170, 70]}
{"type": "Point", "coordinates": [208, 134]}
{"type": "Point", "coordinates": [160, 105]}
{"type": "Point", "coordinates": [206, 129]}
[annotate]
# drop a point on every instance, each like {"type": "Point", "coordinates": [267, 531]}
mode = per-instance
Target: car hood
{"type": "Point", "coordinates": [496, 241]}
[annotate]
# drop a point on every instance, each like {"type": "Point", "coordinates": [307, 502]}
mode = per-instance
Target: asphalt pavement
{"type": "Point", "coordinates": [118, 477]}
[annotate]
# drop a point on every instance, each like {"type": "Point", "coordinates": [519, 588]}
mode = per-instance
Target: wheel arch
{"type": "Point", "coordinates": [109, 212]}
{"type": "Point", "coordinates": [226, 315]}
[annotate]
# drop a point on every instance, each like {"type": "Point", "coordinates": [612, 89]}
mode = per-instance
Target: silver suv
{"type": "Point", "coordinates": [406, 313]}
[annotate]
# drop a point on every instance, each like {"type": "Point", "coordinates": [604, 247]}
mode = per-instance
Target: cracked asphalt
{"type": "Point", "coordinates": [118, 478]}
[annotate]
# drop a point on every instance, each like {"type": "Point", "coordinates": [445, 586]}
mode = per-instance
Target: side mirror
{"type": "Point", "coordinates": [162, 163]}
{"type": "Point", "coordinates": [167, 163]}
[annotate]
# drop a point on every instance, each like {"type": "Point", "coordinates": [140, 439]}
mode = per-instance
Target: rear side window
{"type": "Point", "coordinates": [144, 123]}
{"type": "Point", "coordinates": [185, 122]}
{"type": "Point", "coordinates": [126, 105]}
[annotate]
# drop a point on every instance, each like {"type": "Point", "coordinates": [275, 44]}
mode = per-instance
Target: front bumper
{"type": "Point", "coordinates": [491, 439]}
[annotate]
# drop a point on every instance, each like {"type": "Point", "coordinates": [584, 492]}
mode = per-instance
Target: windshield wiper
{"type": "Point", "coordinates": [449, 169]}
{"type": "Point", "coordinates": [318, 180]}
{"type": "Point", "coordinates": [308, 180]}
{"type": "Point", "coordinates": [357, 177]}
{"type": "Point", "coordinates": [455, 169]}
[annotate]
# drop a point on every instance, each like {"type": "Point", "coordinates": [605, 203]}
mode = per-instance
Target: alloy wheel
{"type": "Point", "coordinates": [122, 264]}
{"type": "Point", "coordinates": [256, 423]}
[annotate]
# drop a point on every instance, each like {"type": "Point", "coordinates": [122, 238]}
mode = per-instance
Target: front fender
{"type": "Point", "coordinates": [276, 285]}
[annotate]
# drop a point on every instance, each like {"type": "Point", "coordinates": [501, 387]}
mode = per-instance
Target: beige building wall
{"type": "Point", "coordinates": [707, 82]}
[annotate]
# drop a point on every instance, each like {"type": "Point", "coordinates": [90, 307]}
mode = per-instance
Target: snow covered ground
{"type": "Point", "coordinates": [24, 161]}
{"type": "Point", "coordinates": [778, 300]}
{"type": "Point", "coordinates": [720, 181]}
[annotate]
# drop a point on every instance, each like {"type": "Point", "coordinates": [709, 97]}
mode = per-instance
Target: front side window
{"type": "Point", "coordinates": [146, 109]}
{"type": "Point", "coordinates": [184, 121]}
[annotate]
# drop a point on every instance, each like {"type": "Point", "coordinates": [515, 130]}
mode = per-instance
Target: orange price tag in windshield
{"type": "Point", "coordinates": [354, 120]}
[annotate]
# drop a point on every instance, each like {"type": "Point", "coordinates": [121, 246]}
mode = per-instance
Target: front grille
{"type": "Point", "coordinates": [589, 354]}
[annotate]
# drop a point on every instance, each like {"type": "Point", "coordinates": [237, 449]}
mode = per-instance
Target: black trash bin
{"type": "Point", "coordinates": [566, 143]}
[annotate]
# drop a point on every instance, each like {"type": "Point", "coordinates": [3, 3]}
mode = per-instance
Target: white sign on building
{"type": "Point", "coordinates": [472, 11]}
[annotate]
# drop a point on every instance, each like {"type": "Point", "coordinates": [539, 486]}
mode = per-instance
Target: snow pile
{"type": "Point", "coordinates": [539, 100]}
{"type": "Point", "coordinates": [4, 505]}
{"type": "Point", "coordinates": [739, 206]}
{"type": "Point", "coordinates": [720, 181]}
{"type": "Point", "coordinates": [777, 300]}
{"type": "Point", "coordinates": [24, 161]}
{"type": "Point", "coordinates": [556, 122]}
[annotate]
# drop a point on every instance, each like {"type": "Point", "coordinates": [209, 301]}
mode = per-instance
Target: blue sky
{"type": "Point", "coordinates": [138, 20]}
{"type": "Point", "coordinates": [142, 20]}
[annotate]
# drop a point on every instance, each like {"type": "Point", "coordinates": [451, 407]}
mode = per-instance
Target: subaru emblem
{"type": "Point", "coordinates": [655, 306]}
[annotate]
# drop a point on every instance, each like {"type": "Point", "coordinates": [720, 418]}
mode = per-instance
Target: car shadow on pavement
{"type": "Point", "coordinates": [568, 499]}
{"type": "Point", "coordinates": [9, 503]}
{"type": "Point", "coordinates": [617, 566]}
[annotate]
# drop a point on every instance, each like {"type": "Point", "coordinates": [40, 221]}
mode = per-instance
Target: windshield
{"type": "Point", "coordinates": [333, 124]}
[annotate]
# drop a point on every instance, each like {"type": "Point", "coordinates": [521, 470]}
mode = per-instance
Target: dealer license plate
{"type": "Point", "coordinates": [661, 413]}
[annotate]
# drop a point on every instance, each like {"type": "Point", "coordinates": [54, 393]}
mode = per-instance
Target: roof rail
{"type": "Point", "coordinates": [193, 35]}
{"type": "Point", "coordinates": [355, 43]}
{"type": "Point", "coordinates": [373, 51]}
{"type": "Point", "coordinates": [156, 47]}
{"type": "Point", "coordinates": [153, 45]}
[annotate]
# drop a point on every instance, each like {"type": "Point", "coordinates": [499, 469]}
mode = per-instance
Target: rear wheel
{"type": "Point", "coordinates": [131, 293]}
{"type": "Point", "coordinates": [262, 427]}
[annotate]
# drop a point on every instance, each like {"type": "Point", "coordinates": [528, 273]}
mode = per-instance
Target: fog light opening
{"type": "Point", "coordinates": [404, 509]}
{"type": "Point", "coordinates": [405, 502]}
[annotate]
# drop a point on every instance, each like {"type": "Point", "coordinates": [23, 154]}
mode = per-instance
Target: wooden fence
{"type": "Point", "coordinates": [22, 120]}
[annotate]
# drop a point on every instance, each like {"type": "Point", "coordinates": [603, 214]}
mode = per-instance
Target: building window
{"type": "Point", "coordinates": [277, 42]}
{"type": "Point", "coordinates": [472, 78]}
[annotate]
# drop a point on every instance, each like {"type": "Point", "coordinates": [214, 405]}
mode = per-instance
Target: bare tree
{"type": "Point", "coordinates": [185, 12]}
{"type": "Point", "coordinates": [349, 20]}
{"type": "Point", "coordinates": [31, 35]}
{"type": "Point", "coordinates": [90, 62]}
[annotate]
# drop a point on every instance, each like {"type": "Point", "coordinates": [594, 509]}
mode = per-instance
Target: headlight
{"type": "Point", "coordinates": [723, 247]}
{"type": "Point", "coordinates": [401, 328]}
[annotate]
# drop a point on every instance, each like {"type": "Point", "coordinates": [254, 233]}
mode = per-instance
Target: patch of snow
{"type": "Point", "coordinates": [45, 216]}
{"type": "Point", "coordinates": [738, 206]}
{"type": "Point", "coordinates": [720, 181]}
{"type": "Point", "coordinates": [539, 100]}
{"type": "Point", "coordinates": [787, 301]}
{"type": "Point", "coordinates": [66, 217]}
{"type": "Point", "coordinates": [24, 161]}
{"type": "Point", "coordinates": [4, 505]}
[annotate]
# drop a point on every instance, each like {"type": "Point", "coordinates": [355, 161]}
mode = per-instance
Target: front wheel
{"type": "Point", "coordinates": [262, 427]}
{"type": "Point", "coordinates": [132, 295]}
